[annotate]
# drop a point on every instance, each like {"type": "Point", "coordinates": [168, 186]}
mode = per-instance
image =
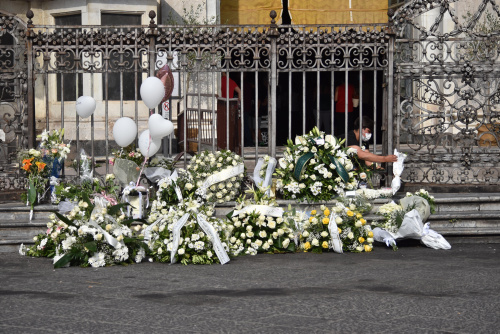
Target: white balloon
{"type": "Point", "coordinates": [85, 106]}
{"type": "Point", "coordinates": [147, 145]}
{"type": "Point", "coordinates": [152, 92]}
{"type": "Point", "coordinates": [124, 131]}
{"type": "Point", "coordinates": [159, 127]}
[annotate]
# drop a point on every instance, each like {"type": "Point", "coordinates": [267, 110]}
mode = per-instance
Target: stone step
{"type": "Point", "coordinates": [464, 216]}
{"type": "Point", "coordinates": [467, 202]}
{"type": "Point", "coordinates": [22, 230]}
{"type": "Point", "coordinates": [15, 212]}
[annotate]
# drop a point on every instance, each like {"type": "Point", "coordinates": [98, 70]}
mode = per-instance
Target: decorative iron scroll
{"type": "Point", "coordinates": [330, 48]}
{"type": "Point", "coordinates": [448, 82]}
{"type": "Point", "coordinates": [13, 98]}
{"type": "Point", "coordinates": [90, 49]}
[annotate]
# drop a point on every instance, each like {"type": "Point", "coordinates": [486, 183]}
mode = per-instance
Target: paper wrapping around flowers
{"type": "Point", "coordinates": [66, 206]}
{"type": "Point", "coordinates": [126, 171]}
{"type": "Point", "coordinates": [382, 235]}
{"type": "Point", "coordinates": [155, 174]}
{"type": "Point", "coordinates": [432, 239]}
{"type": "Point", "coordinates": [412, 227]}
{"type": "Point", "coordinates": [86, 173]}
{"type": "Point", "coordinates": [397, 169]}
{"type": "Point", "coordinates": [418, 203]}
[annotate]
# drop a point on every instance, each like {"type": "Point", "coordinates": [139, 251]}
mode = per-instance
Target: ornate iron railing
{"type": "Point", "coordinates": [447, 76]}
{"type": "Point", "coordinates": [432, 91]}
{"type": "Point", "coordinates": [14, 125]}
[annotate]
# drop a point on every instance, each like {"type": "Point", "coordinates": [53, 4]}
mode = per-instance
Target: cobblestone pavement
{"type": "Point", "coordinates": [416, 290]}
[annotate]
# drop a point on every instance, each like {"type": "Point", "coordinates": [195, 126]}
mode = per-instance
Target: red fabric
{"type": "Point", "coordinates": [232, 86]}
{"type": "Point", "coordinates": [340, 106]}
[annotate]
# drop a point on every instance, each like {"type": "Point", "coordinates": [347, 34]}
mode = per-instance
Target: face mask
{"type": "Point", "coordinates": [367, 136]}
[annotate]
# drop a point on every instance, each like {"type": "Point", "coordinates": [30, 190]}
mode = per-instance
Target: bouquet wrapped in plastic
{"type": "Point", "coordinates": [127, 171]}
{"type": "Point", "coordinates": [406, 221]}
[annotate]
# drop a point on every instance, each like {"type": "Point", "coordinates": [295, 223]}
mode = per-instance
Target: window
{"type": "Point", "coordinates": [70, 80]}
{"type": "Point", "coordinates": [115, 77]}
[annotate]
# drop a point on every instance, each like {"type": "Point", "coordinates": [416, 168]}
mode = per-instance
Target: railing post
{"type": "Point", "coordinates": [152, 43]}
{"type": "Point", "coordinates": [273, 77]}
{"type": "Point", "coordinates": [31, 124]}
{"type": "Point", "coordinates": [390, 93]}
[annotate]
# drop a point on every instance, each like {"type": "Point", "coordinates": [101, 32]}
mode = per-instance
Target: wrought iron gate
{"type": "Point", "coordinates": [440, 84]}
{"type": "Point", "coordinates": [447, 77]}
{"type": "Point", "coordinates": [13, 99]}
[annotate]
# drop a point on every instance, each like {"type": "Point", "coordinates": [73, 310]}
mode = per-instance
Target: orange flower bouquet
{"type": "Point", "coordinates": [42, 164]}
{"type": "Point", "coordinates": [37, 172]}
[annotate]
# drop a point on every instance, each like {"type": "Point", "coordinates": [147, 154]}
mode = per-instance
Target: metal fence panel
{"type": "Point", "coordinates": [447, 107]}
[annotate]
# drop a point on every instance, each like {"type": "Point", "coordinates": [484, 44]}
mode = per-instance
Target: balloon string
{"type": "Point", "coordinates": [144, 163]}
{"type": "Point", "coordinates": [142, 168]}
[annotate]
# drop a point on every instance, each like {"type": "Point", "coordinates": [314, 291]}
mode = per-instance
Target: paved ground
{"type": "Point", "coordinates": [415, 289]}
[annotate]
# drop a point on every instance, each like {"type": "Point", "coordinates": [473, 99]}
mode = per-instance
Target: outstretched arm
{"type": "Point", "coordinates": [368, 156]}
{"type": "Point", "coordinates": [238, 90]}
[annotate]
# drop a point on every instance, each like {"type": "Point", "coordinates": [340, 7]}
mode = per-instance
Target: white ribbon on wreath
{"type": "Point", "coordinates": [207, 228]}
{"type": "Point", "coordinates": [172, 178]}
{"type": "Point", "coordinates": [265, 210]}
{"type": "Point", "coordinates": [334, 234]}
{"type": "Point", "coordinates": [266, 182]}
{"type": "Point", "coordinates": [222, 176]}
{"type": "Point", "coordinates": [101, 203]}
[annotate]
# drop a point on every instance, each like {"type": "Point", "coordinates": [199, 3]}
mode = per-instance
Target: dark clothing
{"type": "Point", "coordinates": [339, 122]}
{"type": "Point", "coordinates": [351, 140]}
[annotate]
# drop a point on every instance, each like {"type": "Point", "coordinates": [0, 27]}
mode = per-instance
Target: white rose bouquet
{"type": "Point", "coordinates": [194, 246]}
{"type": "Point", "coordinates": [89, 235]}
{"type": "Point", "coordinates": [173, 189]}
{"type": "Point", "coordinates": [425, 195]}
{"type": "Point", "coordinates": [392, 215]}
{"type": "Point", "coordinates": [163, 162]}
{"type": "Point", "coordinates": [258, 226]}
{"type": "Point", "coordinates": [217, 176]}
{"type": "Point", "coordinates": [375, 193]}
{"type": "Point", "coordinates": [316, 168]}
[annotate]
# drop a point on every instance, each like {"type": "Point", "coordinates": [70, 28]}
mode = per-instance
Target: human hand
{"type": "Point", "coordinates": [391, 158]}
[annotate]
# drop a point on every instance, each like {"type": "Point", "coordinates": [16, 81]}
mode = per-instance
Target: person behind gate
{"type": "Point", "coordinates": [352, 140]}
